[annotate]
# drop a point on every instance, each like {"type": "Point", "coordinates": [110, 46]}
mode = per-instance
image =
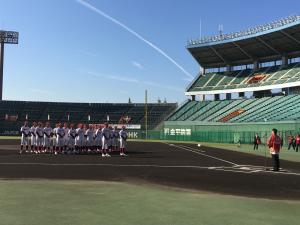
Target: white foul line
{"type": "Point", "coordinates": [257, 168]}
{"type": "Point", "coordinates": [122, 165]}
{"type": "Point", "coordinates": [199, 153]}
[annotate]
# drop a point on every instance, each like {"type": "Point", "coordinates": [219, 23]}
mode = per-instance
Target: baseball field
{"type": "Point", "coordinates": [158, 183]}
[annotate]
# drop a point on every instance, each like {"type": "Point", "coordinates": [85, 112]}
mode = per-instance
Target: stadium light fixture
{"type": "Point", "coordinates": [6, 37]}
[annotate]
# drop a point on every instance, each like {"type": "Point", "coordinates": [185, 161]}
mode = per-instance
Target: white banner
{"type": "Point", "coordinates": [178, 132]}
{"type": "Point", "coordinates": [128, 126]}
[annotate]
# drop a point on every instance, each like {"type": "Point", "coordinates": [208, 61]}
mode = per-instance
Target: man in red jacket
{"type": "Point", "coordinates": [274, 143]}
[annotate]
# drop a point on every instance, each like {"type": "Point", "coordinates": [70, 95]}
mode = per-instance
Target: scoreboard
{"type": "Point", "coordinates": [9, 37]}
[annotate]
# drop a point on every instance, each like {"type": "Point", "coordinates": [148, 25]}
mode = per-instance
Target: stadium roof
{"type": "Point", "coordinates": [263, 43]}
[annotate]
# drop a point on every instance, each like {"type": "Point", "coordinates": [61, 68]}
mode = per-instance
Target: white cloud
{"type": "Point", "coordinates": [39, 91]}
{"type": "Point", "coordinates": [114, 77]}
{"type": "Point", "coordinates": [137, 65]}
{"type": "Point", "coordinates": [132, 80]}
{"type": "Point", "coordinates": [188, 79]}
{"type": "Point", "coordinates": [124, 92]}
{"type": "Point", "coordinates": [88, 53]}
{"type": "Point", "coordinates": [117, 22]}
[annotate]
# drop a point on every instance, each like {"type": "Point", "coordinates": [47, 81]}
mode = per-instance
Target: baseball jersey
{"type": "Point", "coordinates": [111, 135]}
{"type": "Point", "coordinates": [54, 130]}
{"type": "Point", "coordinates": [90, 134]}
{"type": "Point", "coordinates": [106, 133]}
{"type": "Point", "coordinates": [72, 133]}
{"type": "Point", "coordinates": [123, 134]}
{"type": "Point", "coordinates": [60, 132]}
{"type": "Point", "coordinates": [98, 134]}
{"type": "Point", "coordinates": [115, 134]}
{"type": "Point", "coordinates": [25, 131]}
{"type": "Point", "coordinates": [80, 133]}
{"type": "Point", "coordinates": [66, 130]}
{"type": "Point", "coordinates": [39, 132]}
{"type": "Point", "coordinates": [47, 132]}
{"type": "Point", "coordinates": [32, 130]}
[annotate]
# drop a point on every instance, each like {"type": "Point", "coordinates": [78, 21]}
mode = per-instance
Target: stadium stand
{"type": "Point", "coordinates": [247, 78]}
{"type": "Point", "coordinates": [278, 108]}
{"type": "Point", "coordinates": [249, 82]}
{"type": "Point", "coordinates": [13, 113]}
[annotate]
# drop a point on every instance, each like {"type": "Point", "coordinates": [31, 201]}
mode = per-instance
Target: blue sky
{"type": "Point", "coordinates": [70, 53]}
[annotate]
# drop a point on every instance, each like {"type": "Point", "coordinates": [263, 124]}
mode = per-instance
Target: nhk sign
{"type": "Point", "coordinates": [133, 134]}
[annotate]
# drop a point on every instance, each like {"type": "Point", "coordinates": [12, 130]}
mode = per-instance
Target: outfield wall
{"type": "Point", "coordinates": [218, 132]}
{"type": "Point", "coordinates": [226, 132]}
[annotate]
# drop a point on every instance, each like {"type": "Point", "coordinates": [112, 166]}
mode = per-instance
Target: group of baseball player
{"type": "Point", "coordinates": [65, 139]}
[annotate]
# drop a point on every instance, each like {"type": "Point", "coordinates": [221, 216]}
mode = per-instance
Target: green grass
{"type": "Point", "coordinates": [285, 154]}
{"type": "Point", "coordinates": [47, 202]}
{"type": "Point", "coordinates": [9, 138]}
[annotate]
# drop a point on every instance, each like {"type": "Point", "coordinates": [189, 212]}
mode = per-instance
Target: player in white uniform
{"type": "Point", "coordinates": [98, 138]}
{"type": "Point", "coordinates": [54, 136]}
{"type": "Point", "coordinates": [72, 136]}
{"type": "Point", "coordinates": [60, 134]}
{"type": "Point", "coordinates": [33, 136]}
{"type": "Point", "coordinates": [39, 131]}
{"type": "Point", "coordinates": [123, 138]}
{"type": "Point", "coordinates": [84, 145]}
{"type": "Point", "coordinates": [66, 138]}
{"type": "Point", "coordinates": [105, 140]}
{"type": "Point", "coordinates": [47, 137]}
{"type": "Point", "coordinates": [89, 133]}
{"type": "Point", "coordinates": [79, 138]}
{"type": "Point", "coordinates": [111, 139]}
{"type": "Point", "coordinates": [116, 136]}
{"type": "Point", "coordinates": [25, 130]}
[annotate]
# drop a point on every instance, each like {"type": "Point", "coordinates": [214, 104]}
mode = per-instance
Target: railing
{"type": "Point", "coordinates": [250, 31]}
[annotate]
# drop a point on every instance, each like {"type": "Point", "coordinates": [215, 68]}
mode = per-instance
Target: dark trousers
{"type": "Point", "coordinates": [255, 146]}
{"type": "Point", "coordinates": [291, 144]}
{"type": "Point", "coordinates": [275, 161]}
{"type": "Point", "coordinates": [297, 146]}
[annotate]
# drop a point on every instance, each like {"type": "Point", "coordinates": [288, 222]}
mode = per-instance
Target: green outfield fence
{"type": "Point", "coordinates": [226, 132]}
{"type": "Point", "coordinates": [207, 132]}
{"type": "Point", "coordinates": [210, 136]}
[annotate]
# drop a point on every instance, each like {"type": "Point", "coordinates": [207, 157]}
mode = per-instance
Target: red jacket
{"type": "Point", "coordinates": [297, 140]}
{"type": "Point", "coordinates": [291, 139]}
{"type": "Point", "coordinates": [274, 144]}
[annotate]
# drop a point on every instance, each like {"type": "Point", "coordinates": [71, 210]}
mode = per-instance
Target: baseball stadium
{"type": "Point", "coordinates": [207, 160]}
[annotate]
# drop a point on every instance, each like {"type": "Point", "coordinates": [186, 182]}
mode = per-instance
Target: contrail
{"type": "Point", "coordinates": [98, 11]}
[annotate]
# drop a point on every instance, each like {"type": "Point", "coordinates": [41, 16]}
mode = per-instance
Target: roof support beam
{"type": "Point", "coordinates": [269, 46]}
{"type": "Point", "coordinates": [218, 54]}
{"type": "Point", "coordinates": [290, 36]}
{"type": "Point", "coordinates": [243, 51]}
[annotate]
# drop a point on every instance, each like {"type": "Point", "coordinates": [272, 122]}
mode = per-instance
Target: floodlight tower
{"type": "Point", "coordinates": [6, 37]}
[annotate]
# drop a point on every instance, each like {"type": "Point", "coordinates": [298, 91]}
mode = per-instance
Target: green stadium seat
{"type": "Point", "coordinates": [78, 112]}
{"type": "Point", "coordinates": [241, 79]}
